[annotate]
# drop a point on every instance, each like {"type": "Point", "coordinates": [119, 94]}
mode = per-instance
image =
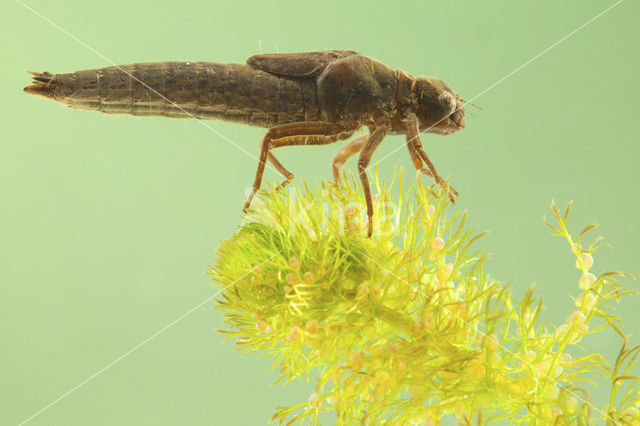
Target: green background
{"type": "Point", "coordinates": [107, 222]}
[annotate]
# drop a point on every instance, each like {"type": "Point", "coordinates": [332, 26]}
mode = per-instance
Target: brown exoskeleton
{"type": "Point", "coordinates": [313, 98]}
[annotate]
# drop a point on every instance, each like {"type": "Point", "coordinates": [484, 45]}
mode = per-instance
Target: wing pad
{"type": "Point", "coordinates": [307, 64]}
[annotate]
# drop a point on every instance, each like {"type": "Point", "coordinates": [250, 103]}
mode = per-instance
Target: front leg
{"type": "Point", "coordinates": [414, 143]}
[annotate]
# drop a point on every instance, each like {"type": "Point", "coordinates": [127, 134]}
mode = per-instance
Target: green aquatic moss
{"type": "Point", "coordinates": [406, 327]}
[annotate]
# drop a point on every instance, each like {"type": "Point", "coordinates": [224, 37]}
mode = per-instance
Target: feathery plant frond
{"type": "Point", "coordinates": [406, 328]}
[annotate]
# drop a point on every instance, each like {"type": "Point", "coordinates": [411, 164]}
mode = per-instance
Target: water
{"type": "Point", "coordinates": [108, 222]}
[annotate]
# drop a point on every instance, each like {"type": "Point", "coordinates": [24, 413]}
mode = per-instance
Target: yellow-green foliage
{"type": "Point", "coordinates": [406, 328]}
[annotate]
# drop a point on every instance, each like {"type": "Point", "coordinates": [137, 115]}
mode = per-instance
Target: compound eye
{"type": "Point", "coordinates": [449, 102]}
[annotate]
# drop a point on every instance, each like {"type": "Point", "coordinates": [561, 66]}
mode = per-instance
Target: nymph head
{"type": "Point", "coordinates": [439, 109]}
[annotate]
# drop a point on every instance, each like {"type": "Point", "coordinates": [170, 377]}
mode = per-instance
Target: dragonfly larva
{"type": "Point", "coordinates": [313, 98]}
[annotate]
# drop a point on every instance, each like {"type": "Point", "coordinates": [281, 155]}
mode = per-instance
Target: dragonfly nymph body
{"type": "Point", "coordinates": [313, 98]}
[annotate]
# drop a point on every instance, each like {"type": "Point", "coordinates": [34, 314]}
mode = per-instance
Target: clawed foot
{"type": "Point", "coordinates": [284, 183]}
{"type": "Point", "coordinates": [280, 186]}
{"type": "Point", "coordinates": [452, 193]}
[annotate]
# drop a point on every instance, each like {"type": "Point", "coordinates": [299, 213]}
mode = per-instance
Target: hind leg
{"type": "Point", "coordinates": [288, 176]}
{"type": "Point", "coordinates": [302, 133]}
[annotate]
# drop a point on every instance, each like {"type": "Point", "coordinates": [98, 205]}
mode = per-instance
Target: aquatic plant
{"type": "Point", "coordinates": [406, 327]}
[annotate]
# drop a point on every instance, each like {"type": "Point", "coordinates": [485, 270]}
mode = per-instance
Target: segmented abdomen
{"type": "Point", "coordinates": [206, 90]}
